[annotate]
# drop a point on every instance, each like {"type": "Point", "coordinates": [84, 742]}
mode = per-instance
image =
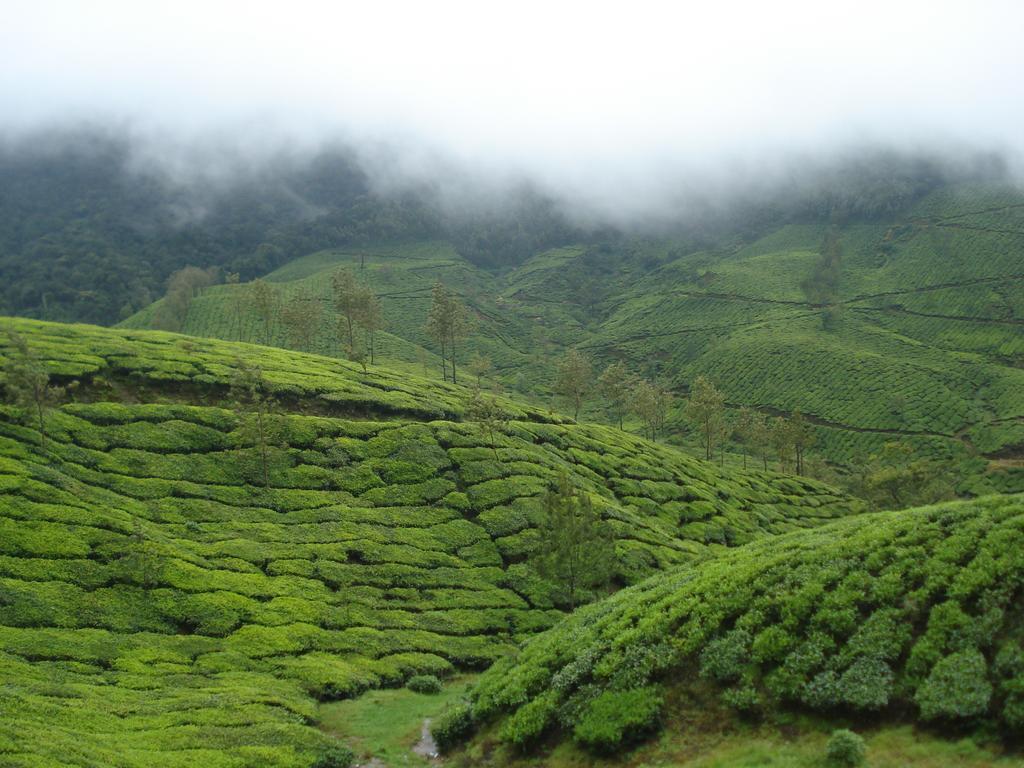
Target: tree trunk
{"type": "Point", "coordinates": [454, 379]}
{"type": "Point", "coordinates": [263, 448]}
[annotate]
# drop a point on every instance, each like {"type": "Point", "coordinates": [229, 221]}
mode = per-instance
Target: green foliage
{"type": "Point", "coordinates": [453, 725]}
{"type": "Point", "coordinates": [423, 684]}
{"type": "Point", "coordinates": [192, 602]}
{"type": "Point", "coordinates": [860, 615]}
{"type": "Point", "coordinates": [957, 688]}
{"type": "Point", "coordinates": [577, 550]}
{"type": "Point", "coordinates": [335, 756]}
{"type": "Point", "coordinates": [614, 719]}
{"type": "Point", "coordinates": [846, 749]}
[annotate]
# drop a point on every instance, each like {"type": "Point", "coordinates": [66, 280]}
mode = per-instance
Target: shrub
{"type": "Point", "coordinates": [845, 748]}
{"type": "Point", "coordinates": [956, 688]}
{"type": "Point", "coordinates": [723, 659]}
{"type": "Point", "coordinates": [866, 684]}
{"type": "Point", "coordinates": [616, 718]}
{"type": "Point", "coordinates": [454, 724]}
{"type": "Point", "coordinates": [335, 756]}
{"type": "Point", "coordinates": [530, 720]}
{"type": "Point", "coordinates": [423, 684]}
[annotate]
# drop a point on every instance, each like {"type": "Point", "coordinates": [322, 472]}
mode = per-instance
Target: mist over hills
{"type": "Point", "coordinates": [93, 220]}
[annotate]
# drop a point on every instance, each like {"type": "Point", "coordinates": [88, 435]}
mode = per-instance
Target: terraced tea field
{"type": "Point", "coordinates": [886, 617]}
{"type": "Point", "coordinates": [161, 606]}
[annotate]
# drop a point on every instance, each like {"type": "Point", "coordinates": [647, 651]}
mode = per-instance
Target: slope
{"type": "Point", "coordinates": [919, 339]}
{"type": "Point", "coordinates": [892, 617]}
{"type": "Point", "coordinates": [160, 606]}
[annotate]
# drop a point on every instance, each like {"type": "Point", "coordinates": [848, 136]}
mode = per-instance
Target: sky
{"type": "Point", "coordinates": [565, 92]}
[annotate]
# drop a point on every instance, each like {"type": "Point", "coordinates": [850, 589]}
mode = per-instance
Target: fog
{"type": "Point", "coordinates": [621, 110]}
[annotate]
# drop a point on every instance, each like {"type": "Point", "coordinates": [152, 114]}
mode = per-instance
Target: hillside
{"type": "Point", "coordinates": [914, 335]}
{"type": "Point", "coordinates": [899, 616]}
{"type": "Point", "coordinates": [161, 605]}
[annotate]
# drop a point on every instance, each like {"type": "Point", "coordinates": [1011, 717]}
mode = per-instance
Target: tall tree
{"type": "Point", "coordinates": [262, 300]}
{"type": "Point", "coordinates": [254, 406]}
{"type": "Point", "coordinates": [447, 322]}
{"type": "Point", "coordinates": [704, 410]}
{"type": "Point", "coordinates": [651, 403]}
{"type": "Point", "coordinates": [575, 379]}
{"type": "Point", "coordinates": [577, 551]}
{"type": "Point", "coordinates": [617, 386]}
{"type": "Point", "coordinates": [821, 287]}
{"type": "Point", "coordinates": [348, 301]}
{"type": "Point", "coordinates": [371, 318]}
{"type": "Point", "coordinates": [436, 325]}
{"type": "Point", "coordinates": [484, 409]}
{"type": "Point", "coordinates": [479, 366]}
{"type": "Point", "coordinates": [803, 437]}
{"type": "Point", "coordinates": [27, 384]}
{"type": "Point", "coordinates": [182, 287]}
{"type": "Point", "coordinates": [302, 315]}
{"type": "Point", "coordinates": [782, 442]}
{"type": "Point", "coordinates": [746, 427]}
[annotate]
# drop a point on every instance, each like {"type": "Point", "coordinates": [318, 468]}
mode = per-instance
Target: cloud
{"type": "Point", "coordinates": [614, 105]}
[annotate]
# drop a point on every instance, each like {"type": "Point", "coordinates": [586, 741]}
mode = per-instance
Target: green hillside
{"type": "Point", "coordinates": [898, 616]}
{"type": "Point", "coordinates": [924, 340]}
{"type": "Point", "coordinates": [161, 606]}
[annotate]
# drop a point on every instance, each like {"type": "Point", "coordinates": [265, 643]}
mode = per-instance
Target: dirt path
{"type": "Point", "coordinates": [426, 746]}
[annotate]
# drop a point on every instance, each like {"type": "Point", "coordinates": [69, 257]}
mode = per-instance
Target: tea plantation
{"type": "Point", "coordinates": [160, 605]}
{"type": "Point", "coordinates": [921, 341]}
{"type": "Point", "coordinates": [907, 616]}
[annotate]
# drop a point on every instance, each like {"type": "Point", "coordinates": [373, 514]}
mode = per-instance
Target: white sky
{"type": "Point", "coordinates": [566, 90]}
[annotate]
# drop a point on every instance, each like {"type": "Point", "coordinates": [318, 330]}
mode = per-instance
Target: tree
{"type": "Point", "coordinates": [782, 442]}
{"type": "Point", "coordinates": [348, 300]}
{"type": "Point", "coordinates": [182, 286]}
{"type": "Point", "coordinates": [261, 298]}
{"type": "Point", "coordinates": [651, 404]}
{"type": "Point", "coordinates": [577, 549]}
{"type": "Point", "coordinates": [821, 287]}
{"type": "Point", "coordinates": [574, 379]}
{"type": "Point", "coordinates": [803, 437]}
{"type": "Point", "coordinates": [447, 322]}
{"type": "Point", "coordinates": [371, 318]}
{"type": "Point", "coordinates": [254, 406]}
{"type": "Point", "coordinates": [27, 384]}
{"type": "Point", "coordinates": [761, 437]}
{"type": "Point", "coordinates": [894, 478]}
{"type": "Point", "coordinates": [485, 410]}
{"type": "Point", "coordinates": [301, 316]}
{"type": "Point", "coordinates": [479, 366]}
{"type": "Point", "coordinates": [705, 410]}
{"type": "Point", "coordinates": [746, 427]}
{"type": "Point", "coordinates": [617, 386]}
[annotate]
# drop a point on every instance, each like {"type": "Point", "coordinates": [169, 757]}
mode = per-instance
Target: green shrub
{"type": "Point", "coordinates": [866, 684]}
{"type": "Point", "coordinates": [335, 756]}
{"type": "Point", "coordinates": [423, 684]}
{"type": "Point", "coordinates": [453, 725]}
{"type": "Point", "coordinates": [957, 687]}
{"type": "Point", "coordinates": [845, 748]}
{"type": "Point", "coordinates": [530, 721]}
{"type": "Point", "coordinates": [725, 658]}
{"type": "Point", "coordinates": [616, 718]}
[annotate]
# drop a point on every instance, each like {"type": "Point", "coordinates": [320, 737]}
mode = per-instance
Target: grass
{"type": "Point", "coordinates": [386, 724]}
